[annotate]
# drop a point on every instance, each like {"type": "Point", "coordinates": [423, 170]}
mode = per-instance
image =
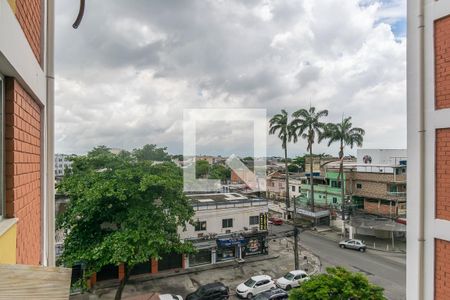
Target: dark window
{"type": "Point", "coordinates": [359, 186]}
{"type": "Point", "coordinates": [227, 223]}
{"type": "Point", "coordinates": [254, 220]}
{"type": "Point", "coordinates": [335, 184]}
{"type": "Point", "coordinates": [200, 226]}
{"type": "Point", "coordinates": [293, 188]}
{"type": "Point", "coordinates": [170, 261]}
{"type": "Point", "coordinates": [202, 257]}
{"type": "Point", "coordinates": [142, 268]}
{"type": "Point", "coordinates": [334, 200]}
{"type": "Point", "coordinates": [108, 272]}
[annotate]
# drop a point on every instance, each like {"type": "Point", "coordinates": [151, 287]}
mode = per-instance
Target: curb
{"type": "Point", "coordinates": [147, 277]}
{"type": "Point", "coordinates": [368, 247]}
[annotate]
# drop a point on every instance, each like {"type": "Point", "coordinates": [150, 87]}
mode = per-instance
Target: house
{"type": "Point", "coordinates": [227, 226]}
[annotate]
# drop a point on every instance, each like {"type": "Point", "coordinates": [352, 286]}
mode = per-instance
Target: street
{"type": "Point", "coordinates": [385, 269]}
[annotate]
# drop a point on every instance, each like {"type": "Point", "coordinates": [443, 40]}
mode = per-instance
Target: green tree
{"type": "Point", "coordinates": [293, 168]}
{"type": "Point", "coordinates": [346, 135]}
{"type": "Point", "coordinates": [151, 152]}
{"type": "Point", "coordinates": [201, 169]}
{"type": "Point", "coordinates": [307, 125]}
{"type": "Point", "coordinates": [299, 161]}
{"type": "Point", "coordinates": [280, 123]}
{"type": "Point", "coordinates": [121, 210]}
{"type": "Point", "coordinates": [337, 284]}
{"type": "Point", "coordinates": [220, 172]}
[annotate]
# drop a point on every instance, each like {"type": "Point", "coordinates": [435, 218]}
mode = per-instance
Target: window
{"type": "Point", "coordinates": [254, 220]}
{"type": "Point", "coordinates": [334, 200]}
{"type": "Point", "coordinates": [335, 184]}
{"type": "Point", "coordinates": [227, 223]}
{"type": "Point", "coordinates": [200, 226]}
{"type": "Point", "coordinates": [359, 186]}
{"type": "Point", "coordinates": [293, 188]}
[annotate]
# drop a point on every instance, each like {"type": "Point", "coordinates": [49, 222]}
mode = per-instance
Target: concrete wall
{"type": "Point", "coordinates": [213, 218]}
{"type": "Point", "coordinates": [381, 156]}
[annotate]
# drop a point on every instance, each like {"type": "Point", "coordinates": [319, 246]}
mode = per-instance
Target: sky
{"type": "Point", "coordinates": [126, 76]}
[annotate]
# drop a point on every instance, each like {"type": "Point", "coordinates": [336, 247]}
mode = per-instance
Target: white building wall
{"type": "Point", "coordinates": [294, 188]}
{"type": "Point", "coordinates": [214, 217]}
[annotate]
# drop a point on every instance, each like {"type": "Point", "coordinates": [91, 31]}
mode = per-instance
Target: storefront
{"type": "Point", "coordinates": [204, 255]}
{"type": "Point", "coordinates": [229, 248]}
{"type": "Point", "coordinates": [255, 244]}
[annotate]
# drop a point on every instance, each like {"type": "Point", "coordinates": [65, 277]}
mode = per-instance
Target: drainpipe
{"type": "Point", "coordinates": [49, 126]}
{"type": "Point", "coordinates": [421, 235]}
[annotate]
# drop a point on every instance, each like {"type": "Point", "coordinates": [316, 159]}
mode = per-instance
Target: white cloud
{"type": "Point", "coordinates": [125, 76]}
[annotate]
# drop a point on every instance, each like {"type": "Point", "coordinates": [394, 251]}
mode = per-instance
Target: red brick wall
{"type": "Point", "coordinates": [443, 173]}
{"type": "Point", "coordinates": [442, 62]}
{"type": "Point", "coordinates": [28, 13]}
{"type": "Point", "coordinates": [23, 178]}
{"type": "Point", "coordinates": [442, 270]}
{"type": "Point", "coordinates": [382, 209]}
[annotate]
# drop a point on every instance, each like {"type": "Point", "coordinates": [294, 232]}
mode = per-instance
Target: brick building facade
{"type": "Point", "coordinates": [428, 260]}
{"type": "Point", "coordinates": [26, 206]}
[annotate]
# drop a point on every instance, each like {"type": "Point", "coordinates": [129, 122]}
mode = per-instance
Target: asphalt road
{"type": "Point", "coordinates": [382, 268]}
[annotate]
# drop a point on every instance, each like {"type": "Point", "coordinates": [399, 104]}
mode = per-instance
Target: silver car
{"type": "Point", "coordinates": [353, 244]}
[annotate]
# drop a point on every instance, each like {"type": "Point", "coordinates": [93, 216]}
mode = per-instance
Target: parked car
{"type": "Point", "coordinates": [292, 279]}
{"type": "Point", "coordinates": [353, 244]}
{"type": "Point", "coordinates": [210, 291]}
{"type": "Point", "coordinates": [255, 285]}
{"type": "Point", "coordinates": [276, 294]}
{"type": "Point", "coordinates": [275, 221]}
{"type": "Point", "coordinates": [170, 297]}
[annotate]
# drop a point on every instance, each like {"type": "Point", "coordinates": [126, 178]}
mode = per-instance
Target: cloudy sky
{"type": "Point", "coordinates": [127, 74]}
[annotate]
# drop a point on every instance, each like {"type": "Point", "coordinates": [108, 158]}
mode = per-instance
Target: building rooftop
{"type": "Point", "coordinates": [218, 198]}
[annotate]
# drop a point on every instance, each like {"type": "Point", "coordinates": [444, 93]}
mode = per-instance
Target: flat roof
{"type": "Point", "coordinates": [222, 198]}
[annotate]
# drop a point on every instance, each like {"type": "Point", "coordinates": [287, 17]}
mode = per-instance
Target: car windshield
{"type": "Point", "coordinates": [250, 283]}
{"type": "Point", "coordinates": [289, 276]}
{"type": "Point", "coordinates": [260, 297]}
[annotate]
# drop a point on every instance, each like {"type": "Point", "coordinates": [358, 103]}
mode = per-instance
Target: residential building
{"type": "Point", "coordinates": [428, 107]}
{"type": "Point", "coordinates": [374, 188]}
{"type": "Point", "coordinates": [62, 162]}
{"type": "Point", "coordinates": [227, 226]}
{"type": "Point", "coordinates": [26, 95]}
{"type": "Point", "coordinates": [276, 186]}
{"type": "Point", "coordinates": [295, 184]}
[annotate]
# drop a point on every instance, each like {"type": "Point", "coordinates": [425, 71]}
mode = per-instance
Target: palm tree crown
{"type": "Point", "coordinates": [344, 133]}
{"type": "Point", "coordinates": [307, 124]}
{"type": "Point", "coordinates": [279, 122]}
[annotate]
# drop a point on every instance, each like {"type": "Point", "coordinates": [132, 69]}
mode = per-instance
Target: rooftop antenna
{"type": "Point", "coordinates": [80, 15]}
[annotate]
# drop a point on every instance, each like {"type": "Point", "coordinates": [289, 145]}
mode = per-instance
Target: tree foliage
{"type": "Point", "coordinates": [337, 284]}
{"type": "Point", "coordinates": [121, 210]}
{"type": "Point", "coordinates": [151, 152]}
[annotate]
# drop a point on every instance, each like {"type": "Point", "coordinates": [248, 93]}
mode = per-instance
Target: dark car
{"type": "Point", "coordinates": [210, 291]}
{"type": "Point", "coordinates": [275, 294]}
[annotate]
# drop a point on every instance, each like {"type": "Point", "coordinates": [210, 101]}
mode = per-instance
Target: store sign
{"type": "Point", "coordinates": [263, 221]}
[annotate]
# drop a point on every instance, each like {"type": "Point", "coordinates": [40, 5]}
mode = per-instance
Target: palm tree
{"type": "Point", "coordinates": [307, 125]}
{"type": "Point", "coordinates": [345, 135]}
{"type": "Point", "coordinates": [279, 123]}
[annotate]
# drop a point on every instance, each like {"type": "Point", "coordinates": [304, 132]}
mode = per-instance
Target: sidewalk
{"type": "Point", "coordinates": [371, 242]}
{"type": "Point", "coordinates": [276, 264]}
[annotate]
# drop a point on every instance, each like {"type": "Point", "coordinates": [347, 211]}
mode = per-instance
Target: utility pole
{"type": "Point", "coordinates": [296, 262]}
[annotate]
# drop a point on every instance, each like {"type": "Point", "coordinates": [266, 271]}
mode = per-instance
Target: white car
{"type": "Point", "coordinates": [255, 285]}
{"type": "Point", "coordinates": [170, 297]}
{"type": "Point", "coordinates": [292, 279]}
